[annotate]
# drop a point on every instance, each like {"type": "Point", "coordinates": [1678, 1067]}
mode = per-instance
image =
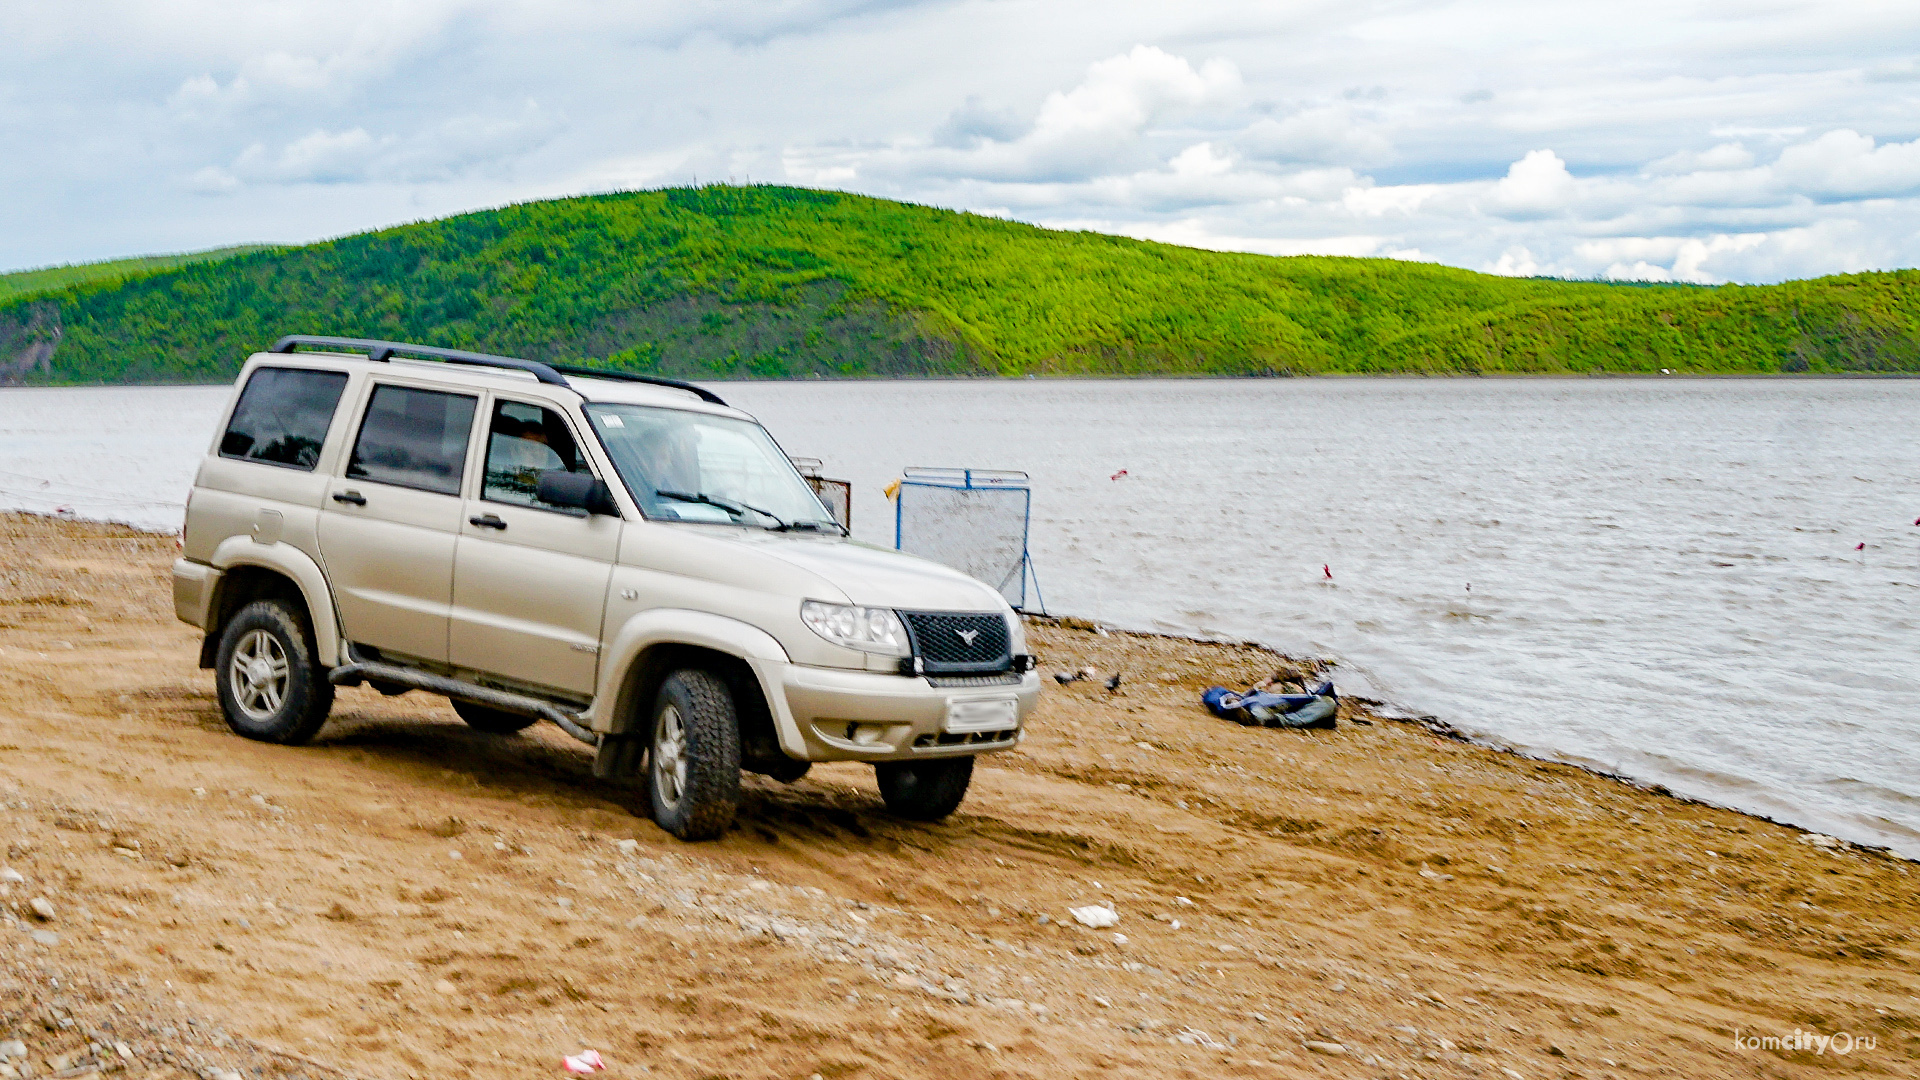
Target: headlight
{"type": "Point", "coordinates": [874, 630]}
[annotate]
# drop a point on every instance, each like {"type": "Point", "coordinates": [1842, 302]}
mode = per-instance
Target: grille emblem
{"type": "Point", "coordinates": [967, 636]}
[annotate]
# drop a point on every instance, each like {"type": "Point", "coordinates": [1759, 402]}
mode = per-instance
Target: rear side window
{"type": "Point", "coordinates": [413, 438]}
{"type": "Point", "coordinates": [282, 417]}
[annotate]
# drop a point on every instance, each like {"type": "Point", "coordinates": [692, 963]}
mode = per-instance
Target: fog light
{"type": "Point", "coordinates": [875, 735]}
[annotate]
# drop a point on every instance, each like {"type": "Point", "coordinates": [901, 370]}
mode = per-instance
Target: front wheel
{"type": "Point", "coordinates": [694, 771]}
{"type": "Point", "coordinates": [270, 688]}
{"type": "Point", "coordinates": [924, 790]}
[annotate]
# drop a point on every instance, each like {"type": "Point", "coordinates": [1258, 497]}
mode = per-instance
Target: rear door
{"type": "Point", "coordinates": [391, 518]}
{"type": "Point", "coordinates": [530, 579]}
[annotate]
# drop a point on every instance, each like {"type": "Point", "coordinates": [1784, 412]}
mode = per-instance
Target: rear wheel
{"type": "Point", "coordinates": [269, 685]}
{"type": "Point", "coordinates": [694, 768]}
{"type": "Point", "coordinates": [924, 790]}
{"type": "Point", "coordinates": [492, 721]}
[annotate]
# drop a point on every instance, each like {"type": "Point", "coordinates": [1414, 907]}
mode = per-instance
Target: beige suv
{"type": "Point", "coordinates": [624, 556]}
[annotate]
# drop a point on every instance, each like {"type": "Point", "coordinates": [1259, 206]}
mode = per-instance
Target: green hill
{"type": "Point", "coordinates": [49, 278]}
{"type": "Point", "coordinates": [724, 281]}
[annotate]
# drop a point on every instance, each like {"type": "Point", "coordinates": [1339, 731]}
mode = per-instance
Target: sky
{"type": "Point", "coordinates": [1706, 141]}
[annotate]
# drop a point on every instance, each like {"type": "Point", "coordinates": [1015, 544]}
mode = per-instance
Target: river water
{"type": "Point", "coordinates": [1653, 577]}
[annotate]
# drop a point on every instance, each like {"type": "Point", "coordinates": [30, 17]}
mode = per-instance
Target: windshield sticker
{"type": "Point", "coordinates": [613, 421]}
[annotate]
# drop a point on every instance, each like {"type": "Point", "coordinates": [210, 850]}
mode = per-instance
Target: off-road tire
{"type": "Point", "coordinates": [693, 755]}
{"type": "Point", "coordinates": [924, 790]}
{"type": "Point", "coordinates": [265, 673]}
{"type": "Point", "coordinates": [492, 721]}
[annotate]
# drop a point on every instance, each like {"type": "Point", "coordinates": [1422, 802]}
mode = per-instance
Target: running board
{"type": "Point", "coordinates": [357, 673]}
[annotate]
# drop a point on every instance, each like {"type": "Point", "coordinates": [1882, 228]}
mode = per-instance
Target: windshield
{"type": "Point", "coordinates": [689, 466]}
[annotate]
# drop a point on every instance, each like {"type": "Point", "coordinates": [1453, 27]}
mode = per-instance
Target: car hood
{"type": "Point", "coordinates": [877, 576]}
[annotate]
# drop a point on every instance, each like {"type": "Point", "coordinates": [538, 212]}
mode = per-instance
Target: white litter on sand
{"type": "Point", "coordinates": [1095, 916]}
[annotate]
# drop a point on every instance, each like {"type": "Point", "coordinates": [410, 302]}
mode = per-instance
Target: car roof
{"type": "Point", "coordinates": [585, 388]}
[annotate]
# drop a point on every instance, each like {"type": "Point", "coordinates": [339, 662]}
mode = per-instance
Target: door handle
{"type": "Point", "coordinates": [353, 497]}
{"type": "Point", "coordinates": [488, 522]}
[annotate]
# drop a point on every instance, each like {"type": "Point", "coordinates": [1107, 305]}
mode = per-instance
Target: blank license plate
{"type": "Point", "coordinates": [1000, 715]}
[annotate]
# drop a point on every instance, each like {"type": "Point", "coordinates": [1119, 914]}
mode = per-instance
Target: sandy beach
{"type": "Point", "coordinates": [408, 898]}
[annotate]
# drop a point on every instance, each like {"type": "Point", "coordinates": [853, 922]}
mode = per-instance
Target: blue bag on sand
{"type": "Point", "coordinates": [1314, 709]}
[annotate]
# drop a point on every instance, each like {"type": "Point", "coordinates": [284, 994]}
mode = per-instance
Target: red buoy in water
{"type": "Point", "coordinates": [1327, 570]}
{"type": "Point", "coordinates": [1123, 472]}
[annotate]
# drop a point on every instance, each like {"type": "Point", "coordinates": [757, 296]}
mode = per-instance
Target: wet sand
{"type": "Point", "coordinates": [406, 897]}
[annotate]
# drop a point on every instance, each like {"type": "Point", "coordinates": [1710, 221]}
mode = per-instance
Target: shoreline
{"type": "Point", "coordinates": [1389, 712]}
{"type": "Point", "coordinates": [1383, 710]}
{"type": "Point", "coordinates": [405, 895]}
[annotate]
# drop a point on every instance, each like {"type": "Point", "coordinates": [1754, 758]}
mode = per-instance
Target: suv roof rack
{"type": "Point", "coordinates": [546, 373]}
{"type": "Point", "coordinates": [384, 350]}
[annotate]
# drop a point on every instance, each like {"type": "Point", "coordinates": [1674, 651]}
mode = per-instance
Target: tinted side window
{"type": "Point", "coordinates": [526, 440]}
{"type": "Point", "coordinates": [282, 416]}
{"type": "Point", "coordinates": [413, 438]}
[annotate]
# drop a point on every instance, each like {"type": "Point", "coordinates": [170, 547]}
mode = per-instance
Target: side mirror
{"type": "Point", "coordinates": [576, 490]}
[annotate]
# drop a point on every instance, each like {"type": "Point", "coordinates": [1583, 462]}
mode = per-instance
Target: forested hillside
{"type": "Point", "coordinates": [723, 281]}
{"type": "Point", "coordinates": [22, 282]}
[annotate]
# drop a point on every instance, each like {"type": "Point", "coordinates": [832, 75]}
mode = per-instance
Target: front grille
{"type": "Point", "coordinates": [959, 643]}
{"type": "Point", "coordinates": [951, 682]}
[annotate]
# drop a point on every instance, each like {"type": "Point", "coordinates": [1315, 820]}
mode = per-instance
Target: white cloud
{"type": "Point", "coordinates": [1401, 200]}
{"type": "Point", "coordinates": [1714, 159]}
{"type": "Point", "coordinates": [1516, 262]}
{"type": "Point", "coordinates": [1633, 139]}
{"type": "Point", "coordinates": [1331, 133]}
{"type": "Point", "coordinates": [1093, 129]}
{"type": "Point", "coordinates": [1715, 188]}
{"type": "Point", "coordinates": [1847, 164]}
{"type": "Point", "coordinates": [319, 157]}
{"type": "Point", "coordinates": [1748, 131]}
{"type": "Point", "coordinates": [272, 76]}
{"type": "Point", "coordinates": [1833, 246]}
{"type": "Point", "coordinates": [1536, 184]}
{"type": "Point", "coordinates": [196, 93]}
{"type": "Point", "coordinates": [1200, 159]}
{"type": "Point", "coordinates": [1664, 258]}
{"type": "Point", "coordinates": [1122, 95]}
{"type": "Point", "coordinates": [353, 156]}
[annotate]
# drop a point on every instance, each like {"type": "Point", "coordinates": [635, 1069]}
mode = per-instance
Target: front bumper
{"type": "Point", "coordinates": [832, 714]}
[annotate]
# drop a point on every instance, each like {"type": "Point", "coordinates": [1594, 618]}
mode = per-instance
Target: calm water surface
{"type": "Point", "coordinates": [1653, 577]}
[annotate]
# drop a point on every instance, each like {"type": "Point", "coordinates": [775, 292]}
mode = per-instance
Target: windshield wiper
{"type": "Point", "coordinates": [737, 509]}
{"type": "Point", "coordinates": [810, 526]}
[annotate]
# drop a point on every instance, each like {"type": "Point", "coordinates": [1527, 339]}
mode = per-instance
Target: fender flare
{"type": "Point", "coordinates": [290, 561]}
{"type": "Point", "coordinates": [681, 626]}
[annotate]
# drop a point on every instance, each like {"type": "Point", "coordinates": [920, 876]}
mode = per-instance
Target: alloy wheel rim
{"type": "Point", "coordinates": [670, 755]}
{"type": "Point", "coordinates": [259, 675]}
